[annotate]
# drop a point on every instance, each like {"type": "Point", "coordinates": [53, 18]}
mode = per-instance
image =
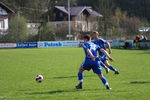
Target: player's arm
{"type": "Point", "coordinates": [90, 53]}
{"type": "Point", "coordinates": [105, 52]}
{"type": "Point", "coordinates": [109, 47]}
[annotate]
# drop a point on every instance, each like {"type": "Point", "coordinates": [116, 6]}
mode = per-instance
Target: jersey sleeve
{"type": "Point", "coordinates": [85, 46]}
{"type": "Point", "coordinates": [94, 41]}
{"type": "Point", "coordinates": [104, 41]}
{"type": "Point", "coordinates": [98, 47]}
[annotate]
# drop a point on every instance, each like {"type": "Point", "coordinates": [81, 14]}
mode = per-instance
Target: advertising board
{"type": "Point", "coordinates": [27, 45]}
{"type": "Point", "coordinates": [7, 45]}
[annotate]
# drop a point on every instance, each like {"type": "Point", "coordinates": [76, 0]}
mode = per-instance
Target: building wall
{"type": "Point", "coordinates": [77, 26]}
{"type": "Point", "coordinates": [33, 25]}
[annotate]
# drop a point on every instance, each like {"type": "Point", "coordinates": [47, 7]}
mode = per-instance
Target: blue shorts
{"type": "Point", "coordinates": [103, 58]}
{"type": "Point", "coordinates": [89, 64]}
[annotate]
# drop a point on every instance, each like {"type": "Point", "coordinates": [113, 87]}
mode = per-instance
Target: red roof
{"type": "Point", "coordinates": [74, 11]}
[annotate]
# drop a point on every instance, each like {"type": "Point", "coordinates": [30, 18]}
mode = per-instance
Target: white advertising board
{"type": "Point", "coordinates": [8, 45]}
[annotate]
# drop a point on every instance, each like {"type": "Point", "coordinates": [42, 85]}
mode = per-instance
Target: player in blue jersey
{"type": "Point", "coordinates": [92, 62]}
{"type": "Point", "coordinates": [103, 43]}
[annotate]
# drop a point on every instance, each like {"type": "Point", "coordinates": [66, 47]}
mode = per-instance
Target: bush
{"type": "Point", "coordinates": [17, 30]}
{"type": "Point", "coordinates": [46, 32]}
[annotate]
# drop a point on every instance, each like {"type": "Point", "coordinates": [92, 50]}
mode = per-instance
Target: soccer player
{"type": "Point", "coordinates": [92, 62]}
{"type": "Point", "coordinates": [101, 42]}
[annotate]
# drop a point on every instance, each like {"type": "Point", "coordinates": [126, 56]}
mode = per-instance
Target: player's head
{"type": "Point", "coordinates": [95, 35]}
{"type": "Point", "coordinates": [86, 38]}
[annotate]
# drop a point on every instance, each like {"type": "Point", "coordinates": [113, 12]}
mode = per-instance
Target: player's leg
{"type": "Point", "coordinates": [98, 71]}
{"type": "Point", "coordinates": [84, 66]}
{"type": "Point", "coordinates": [106, 69]}
{"type": "Point", "coordinates": [104, 81]}
{"type": "Point", "coordinates": [111, 67]}
{"type": "Point", "coordinates": [80, 78]}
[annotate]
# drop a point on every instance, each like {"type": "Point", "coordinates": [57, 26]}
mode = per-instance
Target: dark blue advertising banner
{"type": "Point", "coordinates": [27, 45]}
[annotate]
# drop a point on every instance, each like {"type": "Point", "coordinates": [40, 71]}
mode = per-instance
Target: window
{"type": "Point", "coordinates": [61, 14]}
{"type": "Point", "coordinates": [79, 26]}
{"type": "Point", "coordinates": [3, 12]}
{"type": "Point", "coordinates": [2, 24]}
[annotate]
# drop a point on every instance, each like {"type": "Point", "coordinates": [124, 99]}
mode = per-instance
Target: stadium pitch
{"type": "Point", "coordinates": [59, 66]}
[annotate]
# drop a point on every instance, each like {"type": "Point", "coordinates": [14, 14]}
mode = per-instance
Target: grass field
{"type": "Point", "coordinates": [59, 66]}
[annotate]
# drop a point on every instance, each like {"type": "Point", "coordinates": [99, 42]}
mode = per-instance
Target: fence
{"type": "Point", "coordinates": [50, 44]}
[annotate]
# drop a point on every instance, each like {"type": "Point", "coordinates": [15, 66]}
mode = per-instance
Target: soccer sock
{"type": "Point", "coordinates": [80, 77]}
{"type": "Point", "coordinates": [112, 68]}
{"type": "Point", "coordinates": [103, 79]}
{"type": "Point", "coordinates": [103, 65]}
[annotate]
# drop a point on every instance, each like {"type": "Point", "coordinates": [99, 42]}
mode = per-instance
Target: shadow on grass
{"type": "Point", "coordinates": [51, 92]}
{"type": "Point", "coordinates": [63, 77]}
{"type": "Point", "coordinates": [145, 52]}
{"type": "Point", "coordinates": [60, 91]}
{"type": "Point", "coordinates": [139, 82]}
{"type": "Point", "coordinates": [59, 77]}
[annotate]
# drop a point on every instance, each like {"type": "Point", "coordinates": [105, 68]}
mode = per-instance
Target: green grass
{"type": "Point", "coordinates": [59, 66]}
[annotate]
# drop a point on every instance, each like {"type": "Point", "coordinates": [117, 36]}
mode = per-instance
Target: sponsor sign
{"type": "Point", "coordinates": [69, 36]}
{"type": "Point", "coordinates": [145, 44]}
{"type": "Point", "coordinates": [70, 43]}
{"type": "Point", "coordinates": [27, 45]}
{"type": "Point", "coordinates": [7, 45]}
{"type": "Point", "coordinates": [121, 43]}
{"type": "Point", "coordinates": [49, 44]}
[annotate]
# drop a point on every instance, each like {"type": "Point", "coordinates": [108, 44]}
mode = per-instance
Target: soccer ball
{"type": "Point", "coordinates": [39, 78]}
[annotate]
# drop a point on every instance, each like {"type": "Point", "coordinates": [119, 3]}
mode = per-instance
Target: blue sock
{"type": "Point", "coordinates": [103, 79]}
{"type": "Point", "coordinates": [80, 77]}
{"type": "Point", "coordinates": [103, 65]}
{"type": "Point", "coordinates": [112, 68]}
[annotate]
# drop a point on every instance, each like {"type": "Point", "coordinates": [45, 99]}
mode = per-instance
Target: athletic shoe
{"type": "Point", "coordinates": [117, 72]}
{"type": "Point", "coordinates": [78, 86]}
{"type": "Point", "coordinates": [108, 88]}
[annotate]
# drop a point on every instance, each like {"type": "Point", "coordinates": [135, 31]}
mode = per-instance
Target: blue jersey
{"type": "Point", "coordinates": [92, 47]}
{"type": "Point", "coordinates": [101, 42]}
{"type": "Point", "coordinates": [89, 64]}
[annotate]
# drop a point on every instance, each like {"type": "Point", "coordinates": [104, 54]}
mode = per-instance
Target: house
{"type": "Point", "coordinates": [33, 26]}
{"type": "Point", "coordinates": [83, 19]}
{"type": "Point", "coordinates": [144, 29]}
{"type": "Point", "coordinates": [5, 11]}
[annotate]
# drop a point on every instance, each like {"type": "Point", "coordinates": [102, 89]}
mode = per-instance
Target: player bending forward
{"type": "Point", "coordinates": [92, 62]}
{"type": "Point", "coordinates": [101, 42]}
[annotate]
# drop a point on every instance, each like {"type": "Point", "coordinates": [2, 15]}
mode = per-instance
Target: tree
{"type": "Point", "coordinates": [123, 24]}
{"type": "Point", "coordinates": [138, 8]}
{"type": "Point", "coordinates": [105, 7]}
{"type": "Point", "coordinates": [17, 30]}
{"type": "Point", "coordinates": [46, 32]}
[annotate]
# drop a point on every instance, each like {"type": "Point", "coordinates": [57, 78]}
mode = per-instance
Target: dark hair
{"type": "Point", "coordinates": [87, 37]}
{"type": "Point", "coordinates": [95, 32]}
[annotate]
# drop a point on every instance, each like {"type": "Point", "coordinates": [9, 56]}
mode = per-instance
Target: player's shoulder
{"type": "Point", "coordinates": [86, 44]}
{"type": "Point", "coordinates": [101, 39]}
{"type": "Point", "coordinates": [98, 40]}
{"type": "Point", "coordinates": [89, 42]}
